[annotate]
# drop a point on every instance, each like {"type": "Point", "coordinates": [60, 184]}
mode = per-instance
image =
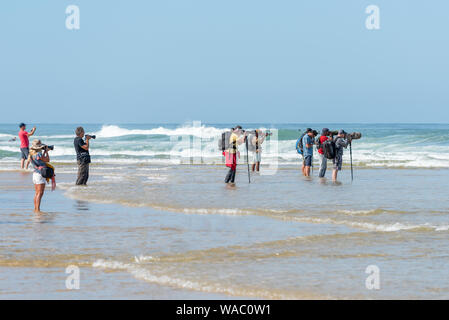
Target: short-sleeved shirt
{"type": "Point", "coordinates": [307, 140]}
{"type": "Point", "coordinates": [322, 139]}
{"type": "Point", "coordinates": [78, 143]}
{"type": "Point", "coordinates": [24, 142]}
{"type": "Point", "coordinates": [233, 143]}
{"type": "Point", "coordinates": [37, 162]}
{"type": "Point", "coordinates": [340, 143]}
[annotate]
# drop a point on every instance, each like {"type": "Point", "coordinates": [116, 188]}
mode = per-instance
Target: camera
{"type": "Point", "coordinates": [333, 133]}
{"type": "Point", "coordinates": [91, 136]}
{"type": "Point", "coordinates": [49, 147]}
{"type": "Point", "coordinates": [354, 135]}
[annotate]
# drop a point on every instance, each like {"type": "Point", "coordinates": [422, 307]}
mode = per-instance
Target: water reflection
{"type": "Point", "coordinates": [81, 205]}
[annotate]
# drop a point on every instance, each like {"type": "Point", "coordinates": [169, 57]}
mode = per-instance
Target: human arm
{"type": "Point", "coordinates": [44, 157]}
{"type": "Point", "coordinates": [29, 134]}
{"type": "Point", "coordinates": [309, 142]}
{"type": "Point", "coordinates": [342, 143]}
{"type": "Point", "coordinates": [86, 145]}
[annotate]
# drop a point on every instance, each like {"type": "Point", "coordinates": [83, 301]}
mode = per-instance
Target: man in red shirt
{"type": "Point", "coordinates": [25, 144]}
{"type": "Point", "coordinates": [323, 161]}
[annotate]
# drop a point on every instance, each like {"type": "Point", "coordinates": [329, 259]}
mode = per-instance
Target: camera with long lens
{"type": "Point", "coordinates": [333, 133]}
{"type": "Point", "coordinates": [354, 135]}
{"type": "Point", "coordinates": [49, 148]}
{"type": "Point", "coordinates": [91, 136]}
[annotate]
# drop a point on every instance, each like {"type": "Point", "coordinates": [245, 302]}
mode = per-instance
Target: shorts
{"type": "Point", "coordinates": [308, 161]}
{"type": "Point", "coordinates": [257, 157]}
{"type": "Point", "coordinates": [38, 178]}
{"type": "Point", "coordinates": [338, 161]}
{"type": "Point", "coordinates": [25, 152]}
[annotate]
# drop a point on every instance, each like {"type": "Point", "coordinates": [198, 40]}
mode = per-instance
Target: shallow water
{"type": "Point", "coordinates": [179, 232]}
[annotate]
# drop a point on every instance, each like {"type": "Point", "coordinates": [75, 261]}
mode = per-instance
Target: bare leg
{"type": "Point", "coordinates": [22, 163]}
{"type": "Point", "coordinates": [254, 167]}
{"type": "Point", "coordinates": [307, 171]}
{"type": "Point", "coordinates": [28, 163]}
{"type": "Point", "coordinates": [257, 167]}
{"type": "Point", "coordinates": [40, 188]}
{"type": "Point", "coordinates": [334, 175]}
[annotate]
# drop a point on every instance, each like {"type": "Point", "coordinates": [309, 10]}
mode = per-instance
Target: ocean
{"type": "Point", "coordinates": [383, 145]}
{"type": "Point", "coordinates": [157, 220]}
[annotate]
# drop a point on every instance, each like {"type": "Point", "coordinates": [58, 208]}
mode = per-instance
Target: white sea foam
{"type": "Point", "coordinates": [109, 131]}
{"type": "Point", "coordinates": [144, 274]}
{"type": "Point", "coordinates": [388, 152]}
{"type": "Point", "coordinates": [397, 226]}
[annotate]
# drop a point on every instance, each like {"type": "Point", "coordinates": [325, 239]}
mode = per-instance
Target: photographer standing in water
{"type": "Point", "coordinates": [237, 137]}
{"type": "Point", "coordinates": [43, 171]}
{"type": "Point", "coordinates": [256, 142]}
{"type": "Point", "coordinates": [341, 141]}
{"type": "Point", "coordinates": [82, 156]}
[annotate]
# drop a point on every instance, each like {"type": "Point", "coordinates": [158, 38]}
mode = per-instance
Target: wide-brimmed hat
{"type": "Point", "coordinates": [36, 145]}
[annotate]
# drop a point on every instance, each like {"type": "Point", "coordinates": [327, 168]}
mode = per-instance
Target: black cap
{"type": "Point", "coordinates": [22, 125]}
{"type": "Point", "coordinates": [309, 130]}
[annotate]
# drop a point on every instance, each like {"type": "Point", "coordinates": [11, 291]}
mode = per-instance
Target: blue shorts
{"type": "Point", "coordinates": [308, 161]}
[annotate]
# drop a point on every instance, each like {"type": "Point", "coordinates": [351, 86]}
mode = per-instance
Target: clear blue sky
{"type": "Point", "coordinates": [224, 61]}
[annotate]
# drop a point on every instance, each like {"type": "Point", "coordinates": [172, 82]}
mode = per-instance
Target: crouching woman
{"type": "Point", "coordinates": [43, 172]}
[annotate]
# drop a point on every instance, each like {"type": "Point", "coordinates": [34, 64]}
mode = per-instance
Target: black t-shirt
{"type": "Point", "coordinates": [78, 143]}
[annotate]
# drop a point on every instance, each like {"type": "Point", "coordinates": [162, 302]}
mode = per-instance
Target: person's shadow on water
{"type": "Point", "coordinates": [81, 205]}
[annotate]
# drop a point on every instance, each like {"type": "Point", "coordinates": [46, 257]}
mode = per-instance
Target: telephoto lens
{"type": "Point", "coordinates": [355, 135]}
{"type": "Point", "coordinates": [50, 147]}
{"type": "Point", "coordinates": [91, 136]}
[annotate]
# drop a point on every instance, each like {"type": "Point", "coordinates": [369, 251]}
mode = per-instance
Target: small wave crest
{"type": "Point", "coordinates": [142, 273]}
{"type": "Point", "coordinates": [111, 131]}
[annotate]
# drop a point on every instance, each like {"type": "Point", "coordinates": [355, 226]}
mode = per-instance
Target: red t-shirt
{"type": "Point", "coordinates": [322, 139]}
{"type": "Point", "coordinates": [23, 136]}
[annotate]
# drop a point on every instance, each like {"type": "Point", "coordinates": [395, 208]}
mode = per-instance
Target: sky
{"type": "Point", "coordinates": [286, 61]}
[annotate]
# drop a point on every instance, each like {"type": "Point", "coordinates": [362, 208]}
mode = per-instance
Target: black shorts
{"type": "Point", "coordinates": [25, 152]}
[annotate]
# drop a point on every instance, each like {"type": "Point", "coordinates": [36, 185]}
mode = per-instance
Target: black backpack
{"type": "Point", "coordinates": [329, 149]}
{"type": "Point", "coordinates": [223, 142]}
{"type": "Point", "coordinates": [318, 143]}
{"type": "Point", "coordinates": [46, 172]}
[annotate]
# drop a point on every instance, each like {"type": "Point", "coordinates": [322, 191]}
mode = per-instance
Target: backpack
{"type": "Point", "coordinates": [47, 172]}
{"type": "Point", "coordinates": [299, 144]}
{"type": "Point", "coordinates": [329, 149]}
{"type": "Point", "coordinates": [251, 146]}
{"type": "Point", "coordinates": [223, 142]}
{"type": "Point", "coordinates": [318, 143]}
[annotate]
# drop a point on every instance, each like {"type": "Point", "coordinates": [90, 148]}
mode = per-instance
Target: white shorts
{"type": "Point", "coordinates": [38, 178]}
{"type": "Point", "coordinates": [257, 157]}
